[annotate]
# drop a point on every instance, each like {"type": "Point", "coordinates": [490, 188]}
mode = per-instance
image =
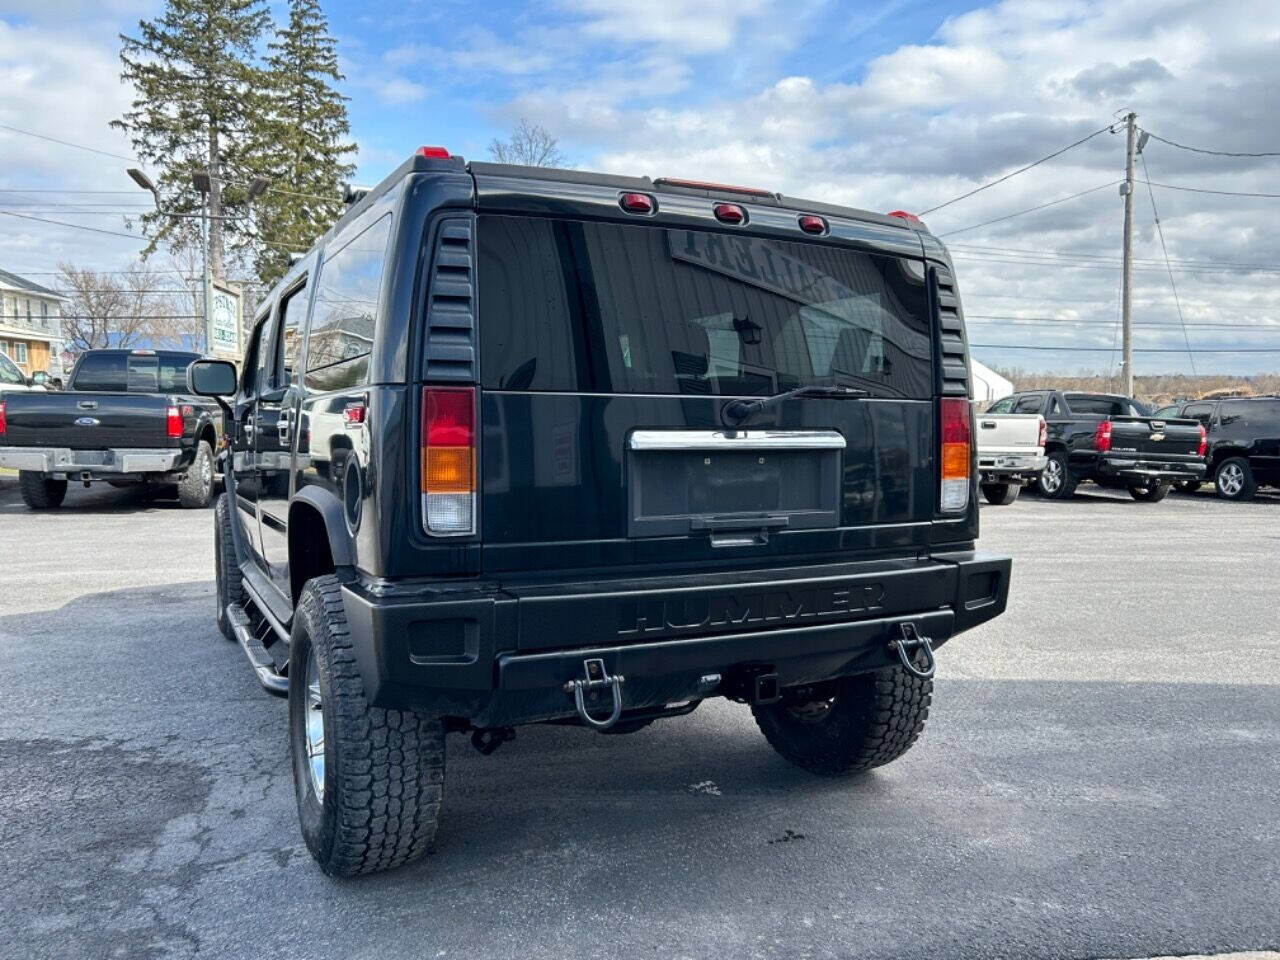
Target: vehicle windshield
{"type": "Point", "coordinates": [113, 372]}
{"type": "Point", "coordinates": [610, 308]}
{"type": "Point", "coordinates": [9, 372]}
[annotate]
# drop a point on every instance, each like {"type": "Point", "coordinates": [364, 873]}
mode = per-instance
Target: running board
{"type": "Point", "coordinates": [259, 659]}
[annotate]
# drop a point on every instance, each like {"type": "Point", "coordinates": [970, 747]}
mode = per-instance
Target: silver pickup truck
{"type": "Point", "coordinates": [1010, 450]}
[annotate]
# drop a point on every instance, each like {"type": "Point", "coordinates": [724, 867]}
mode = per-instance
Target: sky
{"type": "Point", "coordinates": [904, 104]}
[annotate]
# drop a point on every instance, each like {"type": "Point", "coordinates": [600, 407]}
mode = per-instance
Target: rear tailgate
{"type": "Point", "coordinates": [86, 421]}
{"type": "Point", "coordinates": [1155, 440]}
{"type": "Point", "coordinates": [1007, 434]}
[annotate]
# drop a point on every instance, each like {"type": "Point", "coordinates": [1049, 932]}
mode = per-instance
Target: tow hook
{"type": "Point", "coordinates": [597, 678]}
{"type": "Point", "coordinates": [906, 643]}
{"type": "Point", "coordinates": [491, 738]}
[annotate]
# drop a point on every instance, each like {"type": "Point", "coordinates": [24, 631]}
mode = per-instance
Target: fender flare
{"type": "Point", "coordinates": [330, 510]}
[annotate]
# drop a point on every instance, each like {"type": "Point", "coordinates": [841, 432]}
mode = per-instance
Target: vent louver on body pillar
{"type": "Point", "coordinates": [451, 352]}
{"type": "Point", "coordinates": [953, 350]}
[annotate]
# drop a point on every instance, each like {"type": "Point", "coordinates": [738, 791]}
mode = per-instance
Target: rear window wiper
{"type": "Point", "coordinates": [737, 411]}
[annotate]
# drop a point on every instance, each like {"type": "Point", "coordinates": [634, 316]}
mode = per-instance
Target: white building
{"type": "Point", "coordinates": [988, 385]}
{"type": "Point", "coordinates": [30, 325]}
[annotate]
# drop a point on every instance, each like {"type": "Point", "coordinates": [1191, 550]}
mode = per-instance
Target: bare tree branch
{"type": "Point", "coordinates": [530, 146]}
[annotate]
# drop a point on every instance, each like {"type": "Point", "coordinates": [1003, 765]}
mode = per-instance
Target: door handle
{"type": "Point", "coordinates": [284, 425]}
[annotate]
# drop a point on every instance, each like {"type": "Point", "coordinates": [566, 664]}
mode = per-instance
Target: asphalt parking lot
{"type": "Point", "coordinates": [1098, 779]}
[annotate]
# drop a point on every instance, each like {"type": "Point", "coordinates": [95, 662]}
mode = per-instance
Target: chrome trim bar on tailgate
{"type": "Point", "coordinates": [735, 440]}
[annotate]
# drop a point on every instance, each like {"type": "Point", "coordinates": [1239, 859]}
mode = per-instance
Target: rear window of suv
{"type": "Point", "coordinates": [609, 308]}
{"type": "Point", "coordinates": [133, 372]}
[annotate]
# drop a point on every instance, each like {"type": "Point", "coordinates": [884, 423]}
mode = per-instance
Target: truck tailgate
{"type": "Point", "coordinates": [1008, 433]}
{"type": "Point", "coordinates": [86, 421]}
{"type": "Point", "coordinates": [1152, 438]}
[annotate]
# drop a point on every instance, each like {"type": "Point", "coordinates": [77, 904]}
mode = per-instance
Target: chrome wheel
{"type": "Point", "coordinates": [206, 472]}
{"type": "Point", "coordinates": [315, 727]}
{"type": "Point", "coordinates": [1231, 480]}
{"type": "Point", "coordinates": [1051, 478]}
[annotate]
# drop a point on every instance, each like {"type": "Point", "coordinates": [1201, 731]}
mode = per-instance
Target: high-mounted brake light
{"type": "Point", "coordinates": [955, 420]}
{"type": "Point", "coordinates": [1043, 439]}
{"type": "Point", "coordinates": [3, 427]}
{"type": "Point", "coordinates": [448, 459]}
{"type": "Point", "coordinates": [903, 215]}
{"type": "Point", "coordinates": [1200, 451]}
{"type": "Point", "coordinates": [813, 224]}
{"type": "Point", "coordinates": [173, 423]}
{"type": "Point", "coordinates": [433, 153]}
{"type": "Point", "coordinates": [704, 185]}
{"type": "Point", "coordinates": [1102, 437]}
{"type": "Point", "coordinates": [730, 213]}
{"type": "Point", "coordinates": [637, 203]}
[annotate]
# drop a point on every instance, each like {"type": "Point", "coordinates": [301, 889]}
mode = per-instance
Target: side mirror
{"type": "Point", "coordinates": [212, 378]}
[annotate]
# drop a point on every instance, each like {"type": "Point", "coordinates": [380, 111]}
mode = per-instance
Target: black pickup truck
{"type": "Point", "coordinates": [1110, 440]}
{"type": "Point", "coordinates": [545, 446]}
{"type": "Point", "coordinates": [125, 418]}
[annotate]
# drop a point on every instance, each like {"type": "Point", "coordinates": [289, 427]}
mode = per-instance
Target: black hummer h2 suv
{"type": "Point", "coordinates": [517, 445]}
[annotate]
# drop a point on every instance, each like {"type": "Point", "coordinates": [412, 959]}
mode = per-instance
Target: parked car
{"type": "Point", "coordinates": [1109, 440]}
{"type": "Point", "coordinates": [13, 380]}
{"type": "Point", "coordinates": [126, 418]}
{"type": "Point", "coordinates": [1244, 443]}
{"type": "Point", "coordinates": [611, 446]}
{"type": "Point", "coordinates": [1010, 450]}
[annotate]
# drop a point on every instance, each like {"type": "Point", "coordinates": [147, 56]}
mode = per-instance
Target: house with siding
{"type": "Point", "coordinates": [30, 324]}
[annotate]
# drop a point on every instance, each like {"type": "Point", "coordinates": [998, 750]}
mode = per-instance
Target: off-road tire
{"type": "Point", "coordinates": [873, 719]}
{"type": "Point", "coordinates": [1248, 486]}
{"type": "Point", "coordinates": [383, 769]}
{"type": "Point", "coordinates": [1153, 493]}
{"type": "Point", "coordinates": [228, 579]}
{"type": "Point", "coordinates": [1057, 470]}
{"type": "Point", "coordinates": [40, 492]}
{"type": "Point", "coordinates": [195, 489]}
{"type": "Point", "coordinates": [1001, 494]}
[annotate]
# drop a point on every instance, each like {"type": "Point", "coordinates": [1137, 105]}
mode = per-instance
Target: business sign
{"type": "Point", "coordinates": [224, 322]}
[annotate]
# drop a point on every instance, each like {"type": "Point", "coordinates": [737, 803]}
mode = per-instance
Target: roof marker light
{"type": "Point", "coordinates": [730, 213]}
{"type": "Point", "coordinates": [903, 215]}
{"type": "Point", "coordinates": [704, 185]}
{"type": "Point", "coordinates": [433, 153]}
{"type": "Point", "coordinates": [813, 224]}
{"type": "Point", "coordinates": [637, 203]}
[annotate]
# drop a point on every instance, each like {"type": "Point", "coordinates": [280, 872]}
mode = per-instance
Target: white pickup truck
{"type": "Point", "coordinates": [1010, 450]}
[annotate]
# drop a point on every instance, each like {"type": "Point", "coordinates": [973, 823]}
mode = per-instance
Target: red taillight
{"type": "Point", "coordinates": [903, 215]}
{"type": "Point", "coordinates": [448, 459]}
{"type": "Point", "coordinates": [433, 153]}
{"type": "Point", "coordinates": [353, 415]}
{"type": "Point", "coordinates": [637, 203]}
{"type": "Point", "coordinates": [2, 423]}
{"type": "Point", "coordinates": [730, 213]}
{"type": "Point", "coordinates": [718, 187]}
{"type": "Point", "coordinates": [813, 224]}
{"type": "Point", "coordinates": [1200, 451]}
{"type": "Point", "coordinates": [1043, 438]}
{"type": "Point", "coordinates": [1102, 437]}
{"type": "Point", "coordinates": [956, 428]}
{"type": "Point", "coordinates": [173, 423]}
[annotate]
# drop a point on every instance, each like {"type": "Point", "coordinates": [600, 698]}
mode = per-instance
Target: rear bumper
{"type": "Point", "coordinates": [1010, 466]}
{"type": "Point", "coordinates": [93, 462]}
{"type": "Point", "coordinates": [500, 655]}
{"type": "Point", "coordinates": [1140, 469]}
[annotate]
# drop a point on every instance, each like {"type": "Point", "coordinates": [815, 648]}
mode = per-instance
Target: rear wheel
{"type": "Point", "coordinates": [848, 725]}
{"type": "Point", "coordinates": [369, 781]}
{"type": "Point", "coordinates": [195, 489]}
{"type": "Point", "coordinates": [1001, 494]}
{"type": "Point", "coordinates": [1149, 493]}
{"type": "Point", "coordinates": [40, 492]}
{"type": "Point", "coordinates": [229, 581]}
{"type": "Point", "coordinates": [1234, 480]}
{"type": "Point", "coordinates": [1055, 480]}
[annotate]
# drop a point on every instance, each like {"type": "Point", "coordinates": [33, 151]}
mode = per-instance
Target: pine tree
{"type": "Point", "coordinates": [303, 142]}
{"type": "Point", "coordinates": [196, 108]}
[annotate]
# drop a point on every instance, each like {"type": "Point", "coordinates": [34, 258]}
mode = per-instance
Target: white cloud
{"type": "Point", "coordinates": [692, 26]}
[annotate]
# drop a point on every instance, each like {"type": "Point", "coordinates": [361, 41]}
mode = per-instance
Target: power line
{"type": "Point", "coordinates": [1020, 213]}
{"type": "Point", "coordinates": [1107, 257]}
{"type": "Point", "coordinates": [1212, 153]}
{"type": "Point", "coordinates": [74, 226]}
{"type": "Point", "coordinates": [1160, 231]}
{"type": "Point", "coordinates": [1029, 346]}
{"type": "Point", "coordinates": [986, 186]}
{"type": "Point", "coordinates": [1217, 193]}
{"type": "Point", "coordinates": [67, 143]}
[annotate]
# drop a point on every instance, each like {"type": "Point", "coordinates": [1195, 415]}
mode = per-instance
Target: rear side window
{"type": "Point", "coordinates": [1002, 406]}
{"type": "Point", "coordinates": [610, 308]}
{"type": "Point", "coordinates": [1029, 405]}
{"type": "Point", "coordinates": [1253, 413]}
{"type": "Point", "coordinates": [133, 372]}
{"type": "Point", "coordinates": [346, 307]}
{"type": "Point", "coordinates": [1196, 411]}
{"type": "Point", "coordinates": [8, 372]}
{"type": "Point", "coordinates": [1103, 406]}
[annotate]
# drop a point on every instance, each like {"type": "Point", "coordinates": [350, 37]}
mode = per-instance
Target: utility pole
{"type": "Point", "coordinates": [1126, 294]}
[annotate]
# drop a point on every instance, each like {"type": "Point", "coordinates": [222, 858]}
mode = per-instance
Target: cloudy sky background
{"type": "Point", "coordinates": [901, 104]}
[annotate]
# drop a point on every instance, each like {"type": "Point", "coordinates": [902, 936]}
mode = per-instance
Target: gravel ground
{"type": "Point", "coordinates": [1099, 777]}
